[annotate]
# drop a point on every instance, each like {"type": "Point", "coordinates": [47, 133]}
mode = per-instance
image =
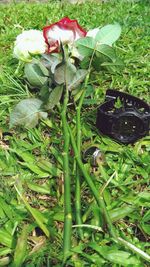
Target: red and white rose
{"type": "Point", "coordinates": [65, 31]}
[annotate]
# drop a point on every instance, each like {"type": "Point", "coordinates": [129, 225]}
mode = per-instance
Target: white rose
{"type": "Point", "coordinates": [92, 33]}
{"type": "Point", "coordinates": [31, 41]}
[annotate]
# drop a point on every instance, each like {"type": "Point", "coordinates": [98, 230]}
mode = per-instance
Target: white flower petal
{"type": "Point", "coordinates": [60, 35]}
{"type": "Point", "coordinates": [92, 33]}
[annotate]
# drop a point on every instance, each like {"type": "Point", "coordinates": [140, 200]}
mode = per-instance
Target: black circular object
{"type": "Point", "coordinates": [94, 156]}
{"type": "Point", "coordinates": [127, 121]}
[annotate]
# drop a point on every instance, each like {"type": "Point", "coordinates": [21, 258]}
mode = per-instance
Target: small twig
{"type": "Point", "coordinates": [97, 228]}
{"type": "Point", "coordinates": [107, 183]}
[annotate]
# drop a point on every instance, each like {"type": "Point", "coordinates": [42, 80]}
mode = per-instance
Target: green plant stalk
{"type": "Point", "coordinates": [78, 202]}
{"type": "Point", "coordinates": [79, 141]}
{"type": "Point", "coordinates": [98, 198]}
{"type": "Point", "coordinates": [67, 190]}
{"type": "Point", "coordinates": [78, 182]}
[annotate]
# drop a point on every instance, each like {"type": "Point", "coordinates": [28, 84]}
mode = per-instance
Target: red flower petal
{"type": "Point", "coordinates": [70, 24]}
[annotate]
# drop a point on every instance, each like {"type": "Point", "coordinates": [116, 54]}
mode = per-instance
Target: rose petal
{"type": "Point", "coordinates": [56, 33]}
{"type": "Point", "coordinates": [92, 33]}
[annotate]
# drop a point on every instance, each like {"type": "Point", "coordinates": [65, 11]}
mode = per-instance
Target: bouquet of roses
{"type": "Point", "coordinates": [58, 63]}
{"type": "Point", "coordinates": [63, 55]}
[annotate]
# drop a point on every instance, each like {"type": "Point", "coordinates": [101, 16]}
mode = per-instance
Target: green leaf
{"type": "Point", "coordinates": [144, 196]}
{"type": "Point", "coordinates": [146, 228]}
{"type": "Point", "coordinates": [120, 213]}
{"type": "Point", "coordinates": [37, 215]}
{"type": "Point", "coordinates": [108, 34]}
{"type": "Point", "coordinates": [77, 94]}
{"type": "Point", "coordinates": [105, 50]}
{"type": "Point", "coordinates": [113, 254]}
{"type": "Point", "coordinates": [5, 238]}
{"type": "Point", "coordinates": [114, 66]}
{"type": "Point", "coordinates": [36, 73]}
{"type": "Point", "coordinates": [54, 97]}
{"type": "Point", "coordinates": [58, 216]}
{"type": "Point", "coordinates": [58, 156]}
{"type": "Point", "coordinates": [142, 199]}
{"type": "Point", "coordinates": [4, 251]}
{"type": "Point", "coordinates": [51, 61]}
{"type": "Point", "coordinates": [27, 113]}
{"type": "Point", "coordinates": [95, 259]}
{"type": "Point", "coordinates": [78, 78]}
{"type": "Point", "coordinates": [146, 216]}
{"type": "Point", "coordinates": [24, 155]}
{"type": "Point", "coordinates": [64, 73]}
{"type": "Point", "coordinates": [2, 214]}
{"type": "Point", "coordinates": [84, 64]}
{"type": "Point", "coordinates": [21, 248]}
{"type": "Point", "coordinates": [90, 258]}
{"type": "Point", "coordinates": [86, 46]}
{"type": "Point", "coordinates": [45, 92]}
{"type": "Point", "coordinates": [49, 168]}
{"type": "Point", "coordinates": [43, 189]}
{"type": "Point", "coordinates": [101, 61]}
{"type": "Point", "coordinates": [6, 208]}
{"type": "Point", "coordinates": [145, 222]}
{"type": "Point", "coordinates": [116, 62]}
{"type": "Point", "coordinates": [35, 169]}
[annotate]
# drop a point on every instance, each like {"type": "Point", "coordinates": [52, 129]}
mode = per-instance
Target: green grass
{"type": "Point", "coordinates": [31, 191]}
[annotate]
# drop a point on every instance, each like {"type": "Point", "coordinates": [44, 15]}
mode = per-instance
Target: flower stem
{"type": "Point", "coordinates": [67, 190]}
{"type": "Point", "coordinates": [79, 141]}
{"type": "Point", "coordinates": [78, 182]}
{"type": "Point", "coordinates": [98, 198]}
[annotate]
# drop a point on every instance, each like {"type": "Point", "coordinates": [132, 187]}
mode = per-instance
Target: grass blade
{"type": "Point", "coordinates": [35, 213]}
{"type": "Point", "coordinates": [21, 248]}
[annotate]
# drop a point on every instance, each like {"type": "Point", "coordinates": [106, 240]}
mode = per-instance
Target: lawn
{"type": "Point", "coordinates": [31, 161]}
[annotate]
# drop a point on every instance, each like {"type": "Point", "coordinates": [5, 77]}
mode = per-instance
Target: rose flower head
{"type": "Point", "coordinates": [65, 31]}
{"type": "Point", "coordinates": [29, 43]}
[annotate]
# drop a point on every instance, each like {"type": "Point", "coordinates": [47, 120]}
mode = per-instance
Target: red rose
{"type": "Point", "coordinates": [66, 31]}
